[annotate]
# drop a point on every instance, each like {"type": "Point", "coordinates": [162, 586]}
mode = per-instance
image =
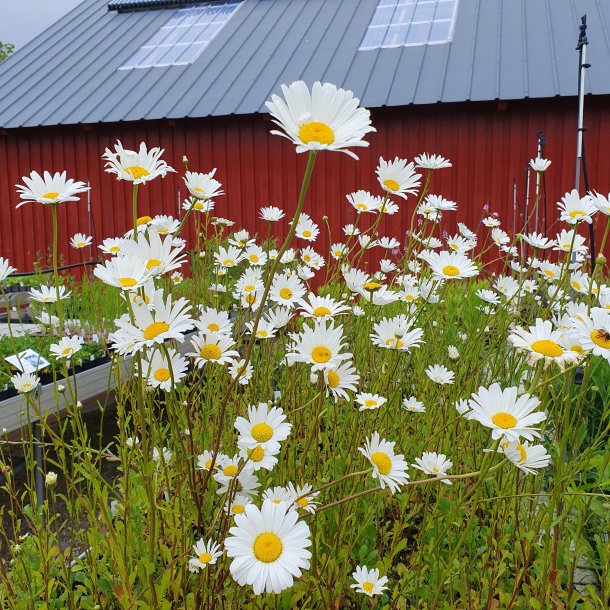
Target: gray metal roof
{"type": "Point", "coordinates": [502, 49]}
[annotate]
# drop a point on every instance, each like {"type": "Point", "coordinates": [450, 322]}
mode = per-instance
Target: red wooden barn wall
{"type": "Point", "coordinates": [489, 144]}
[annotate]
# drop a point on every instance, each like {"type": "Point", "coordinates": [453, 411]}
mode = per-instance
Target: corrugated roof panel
{"type": "Point", "coordinates": [485, 66]}
{"type": "Point", "coordinates": [512, 53]}
{"type": "Point", "coordinates": [458, 80]}
{"type": "Point", "coordinates": [507, 49]}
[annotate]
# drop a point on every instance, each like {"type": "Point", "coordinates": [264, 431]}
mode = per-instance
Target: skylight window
{"type": "Point", "coordinates": [403, 23]}
{"type": "Point", "coordinates": [184, 37]}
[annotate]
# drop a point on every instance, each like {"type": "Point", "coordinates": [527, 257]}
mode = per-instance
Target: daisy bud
{"type": "Point", "coordinates": [600, 260]}
{"type": "Point", "coordinates": [61, 388]}
{"type": "Point", "coordinates": [313, 377]}
{"type": "Point", "coordinates": [79, 405]}
{"type": "Point", "coordinates": [594, 388]}
{"type": "Point", "coordinates": [453, 352]}
{"type": "Point", "coordinates": [185, 161]}
{"type": "Point", "coordinates": [50, 479]}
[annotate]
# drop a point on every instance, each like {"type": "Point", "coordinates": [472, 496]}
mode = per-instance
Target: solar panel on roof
{"type": "Point", "coordinates": [403, 23]}
{"type": "Point", "coordinates": [182, 39]}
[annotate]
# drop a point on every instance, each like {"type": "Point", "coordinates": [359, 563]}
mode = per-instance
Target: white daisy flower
{"type": "Point", "coordinates": [368, 581]}
{"type": "Point", "coordinates": [451, 265]}
{"type": "Point", "coordinates": [264, 426]}
{"type": "Point", "coordinates": [601, 202]}
{"type": "Point", "coordinates": [327, 118]}
{"type": "Point", "coordinates": [66, 348]}
{"type": "Point", "coordinates": [49, 294]}
{"type": "Point", "coordinates": [369, 402]}
{"type": "Point", "coordinates": [340, 379]}
{"type": "Point", "coordinates": [440, 374]}
{"type": "Point", "coordinates": [286, 290]}
{"type": "Point", "coordinates": [49, 189]}
{"type": "Point", "coordinates": [80, 240]}
{"type": "Point", "coordinates": [413, 405]}
{"type": "Point", "coordinates": [124, 273]}
{"type": "Point", "coordinates": [426, 161]}
{"type": "Point", "coordinates": [25, 382]}
{"type": "Point", "coordinates": [363, 201]}
{"type": "Point", "coordinates": [322, 307]}
{"type": "Point", "coordinates": [238, 368]}
{"type": "Point", "coordinates": [5, 268]}
{"type": "Point", "coordinates": [238, 505]}
{"type": "Point", "coordinates": [228, 257]}
{"type": "Point", "coordinates": [593, 332]}
{"type": "Point", "coordinates": [206, 553]}
{"type": "Point", "coordinates": [212, 320]}
{"type": "Point", "coordinates": [213, 348]}
{"type": "Point", "coordinates": [527, 457]}
{"type": "Point", "coordinates": [112, 245]}
{"type": "Point", "coordinates": [537, 240]}
{"type": "Point", "coordinates": [539, 164]}
{"type": "Point", "coordinates": [390, 468]}
{"type": "Point", "coordinates": [398, 177]}
{"type": "Point", "coordinates": [137, 167]}
{"type": "Point", "coordinates": [271, 213]}
{"type": "Point", "coordinates": [203, 186]}
{"type": "Point", "coordinates": [575, 209]}
{"type": "Point", "coordinates": [268, 547]}
{"type": "Point", "coordinates": [163, 373]}
{"type": "Point", "coordinates": [435, 464]}
{"type": "Point", "coordinates": [506, 413]}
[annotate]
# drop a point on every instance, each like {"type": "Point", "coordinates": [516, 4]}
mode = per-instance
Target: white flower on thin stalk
{"type": "Point", "coordinates": [80, 240]}
{"type": "Point", "coordinates": [575, 209]}
{"type": "Point", "coordinates": [325, 118]}
{"type": "Point", "coordinates": [49, 294]}
{"type": "Point", "coordinates": [66, 348]}
{"type": "Point", "coordinates": [368, 581]}
{"type": "Point", "coordinates": [539, 164]}
{"type": "Point", "coordinates": [137, 167]}
{"type": "Point", "coordinates": [440, 374]}
{"type": "Point", "coordinates": [426, 161]}
{"type": "Point", "coordinates": [203, 186]}
{"type": "Point", "coordinates": [435, 464]}
{"type": "Point", "coordinates": [398, 177]}
{"type": "Point", "coordinates": [206, 553]}
{"type": "Point", "coordinates": [390, 468]}
{"type": "Point", "coordinates": [271, 213]}
{"type": "Point", "coordinates": [47, 189]}
{"type": "Point", "coordinates": [5, 269]}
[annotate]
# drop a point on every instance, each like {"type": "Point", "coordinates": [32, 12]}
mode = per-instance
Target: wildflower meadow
{"type": "Point", "coordinates": [400, 421]}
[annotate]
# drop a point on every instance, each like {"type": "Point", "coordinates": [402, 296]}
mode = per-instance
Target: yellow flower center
{"type": "Point", "coordinates": [577, 348]}
{"type": "Point", "coordinates": [504, 420]}
{"type": "Point", "coordinates": [137, 171]}
{"type": "Point", "coordinates": [205, 558]}
{"type": "Point", "coordinates": [229, 262]}
{"type": "Point", "coordinates": [333, 379]}
{"type": "Point", "coordinates": [286, 293]}
{"type": "Point", "coordinates": [549, 272]}
{"type": "Point", "coordinates": [451, 270]}
{"type": "Point", "coordinates": [262, 334]}
{"type": "Point", "coordinates": [143, 220]}
{"type": "Point", "coordinates": [51, 195]}
{"type": "Point", "coordinates": [321, 311]}
{"type": "Point", "coordinates": [162, 374]}
{"type": "Point", "coordinates": [155, 329]}
{"type": "Point", "coordinates": [267, 547]}
{"type": "Point", "coordinates": [576, 214]}
{"type": "Point", "coordinates": [198, 205]}
{"type": "Point", "coordinates": [201, 191]}
{"type": "Point", "coordinates": [27, 387]}
{"type": "Point", "coordinates": [80, 244]}
{"type": "Point", "coordinates": [303, 502]}
{"type": "Point", "coordinates": [575, 285]}
{"type": "Point", "coordinates": [391, 185]}
{"type": "Point", "coordinates": [208, 464]}
{"type": "Point", "coordinates": [249, 288]}
{"type": "Point", "coordinates": [153, 262]}
{"type": "Point", "coordinates": [211, 351]}
{"type": "Point", "coordinates": [601, 337]}
{"type": "Point", "coordinates": [114, 249]}
{"type": "Point", "coordinates": [256, 454]}
{"type": "Point", "coordinates": [307, 258]}
{"type": "Point", "coordinates": [368, 586]}
{"type": "Point", "coordinates": [316, 132]}
{"type": "Point", "coordinates": [238, 509]}
{"type": "Point", "coordinates": [547, 348]}
{"type": "Point", "coordinates": [127, 282]}
{"type": "Point", "coordinates": [213, 328]}
{"type": "Point", "coordinates": [370, 403]}
{"type": "Point", "coordinates": [372, 286]}
{"type": "Point", "coordinates": [397, 343]}
{"type": "Point", "coordinates": [306, 233]}
{"type": "Point", "coordinates": [231, 470]}
{"type": "Point", "coordinates": [382, 461]}
{"type": "Point", "coordinates": [251, 298]}
{"type": "Point", "coordinates": [254, 258]}
{"type": "Point", "coordinates": [320, 354]}
{"type": "Point", "coordinates": [361, 206]}
{"type": "Point", "coordinates": [262, 432]}
{"type": "Point", "coordinates": [67, 351]}
{"type": "Point", "coordinates": [521, 449]}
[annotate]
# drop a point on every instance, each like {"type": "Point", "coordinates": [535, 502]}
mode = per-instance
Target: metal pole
{"type": "Point", "coordinates": [582, 66]}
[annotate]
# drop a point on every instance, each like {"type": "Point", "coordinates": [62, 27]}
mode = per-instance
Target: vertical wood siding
{"type": "Point", "coordinates": [489, 147]}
